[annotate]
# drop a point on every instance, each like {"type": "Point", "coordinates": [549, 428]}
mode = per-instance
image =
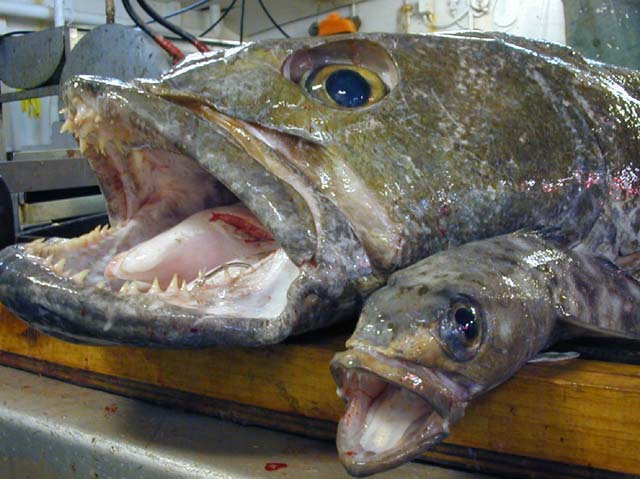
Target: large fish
{"type": "Point", "coordinates": [268, 190]}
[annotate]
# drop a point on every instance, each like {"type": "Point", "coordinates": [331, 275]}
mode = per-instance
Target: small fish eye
{"type": "Point", "coordinates": [345, 86]}
{"type": "Point", "coordinates": [465, 317]}
{"type": "Point", "coordinates": [461, 330]}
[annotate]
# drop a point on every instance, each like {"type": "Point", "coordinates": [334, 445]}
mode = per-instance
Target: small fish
{"type": "Point", "coordinates": [459, 323]}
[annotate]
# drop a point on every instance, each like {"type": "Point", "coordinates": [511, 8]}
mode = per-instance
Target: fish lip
{"type": "Point", "coordinates": [447, 404]}
{"type": "Point", "coordinates": [89, 316]}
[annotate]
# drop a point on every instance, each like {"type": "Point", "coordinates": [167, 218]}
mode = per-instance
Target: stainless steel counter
{"type": "Point", "coordinates": [50, 429]}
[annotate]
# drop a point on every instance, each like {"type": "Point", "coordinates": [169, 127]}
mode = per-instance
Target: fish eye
{"type": "Point", "coordinates": [461, 331]}
{"type": "Point", "coordinates": [345, 86]}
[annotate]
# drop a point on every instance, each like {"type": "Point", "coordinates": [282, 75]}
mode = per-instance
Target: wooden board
{"type": "Point", "coordinates": [582, 413]}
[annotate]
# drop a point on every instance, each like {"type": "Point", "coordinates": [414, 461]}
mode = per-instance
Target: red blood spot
{"type": "Point", "coordinates": [274, 466]}
{"type": "Point", "coordinates": [110, 409]}
{"type": "Point", "coordinates": [254, 232]}
{"type": "Point", "coordinates": [349, 453]}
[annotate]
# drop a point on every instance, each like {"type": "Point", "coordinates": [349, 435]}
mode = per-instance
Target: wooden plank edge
{"type": "Point", "coordinates": [448, 455]}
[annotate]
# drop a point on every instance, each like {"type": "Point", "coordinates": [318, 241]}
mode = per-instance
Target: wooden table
{"type": "Point", "coordinates": [551, 420]}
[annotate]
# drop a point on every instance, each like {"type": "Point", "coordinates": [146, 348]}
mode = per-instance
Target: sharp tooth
{"type": "Point", "coordinates": [59, 266]}
{"type": "Point", "coordinates": [155, 286]}
{"type": "Point", "coordinates": [49, 261]}
{"type": "Point", "coordinates": [184, 285]}
{"type": "Point", "coordinates": [105, 229]}
{"type": "Point", "coordinates": [83, 145]}
{"type": "Point", "coordinates": [133, 288]}
{"type": "Point", "coordinates": [35, 247]}
{"type": "Point", "coordinates": [227, 274]}
{"type": "Point", "coordinates": [78, 278]}
{"type": "Point", "coordinates": [173, 285]}
{"type": "Point", "coordinates": [96, 229]}
{"type": "Point", "coordinates": [124, 289]}
{"type": "Point", "coordinates": [67, 126]}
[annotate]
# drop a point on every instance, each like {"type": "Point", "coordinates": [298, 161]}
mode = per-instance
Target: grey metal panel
{"type": "Point", "coordinates": [32, 60]}
{"type": "Point", "coordinates": [32, 93]}
{"type": "Point", "coordinates": [49, 429]}
{"type": "Point", "coordinates": [116, 51]}
{"type": "Point", "coordinates": [47, 174]}
{"type": "Point", "coordinates": [46, 211]}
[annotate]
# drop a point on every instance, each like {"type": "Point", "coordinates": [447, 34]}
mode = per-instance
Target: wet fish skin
{"type": "Point", "coordinates": [441, 166]}
{"type": "Point", "coordinates": [527, 291]}
{"type": "Point", "coordinates": [429, 166]}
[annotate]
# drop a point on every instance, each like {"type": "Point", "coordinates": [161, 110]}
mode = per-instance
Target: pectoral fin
{"type": "Point", "coordinates": [554, 357]}
{"type": "Point", "coordinates": [598, 298]}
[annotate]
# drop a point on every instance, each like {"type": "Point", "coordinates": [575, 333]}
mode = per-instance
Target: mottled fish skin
{"type": "Point", "coordinates": [479, 135]}
{"type": "Point", "coordinates": [441, 165]}
{"type": "Point", "coordinates": [526, 289]}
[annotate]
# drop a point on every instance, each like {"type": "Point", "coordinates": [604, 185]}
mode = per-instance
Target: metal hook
{"type": "Point", "coordinates": [211, 273]}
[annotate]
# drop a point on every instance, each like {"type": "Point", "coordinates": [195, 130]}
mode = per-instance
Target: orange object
{"type": "Point", "coordinates": [334, 24]}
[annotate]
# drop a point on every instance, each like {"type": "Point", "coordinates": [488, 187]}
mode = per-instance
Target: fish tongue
{"type": "Point", "coordinates": [390, 416]}
{"type": "Point", "coordinates": [195, 244]}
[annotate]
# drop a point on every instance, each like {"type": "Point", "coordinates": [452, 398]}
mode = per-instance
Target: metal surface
{"type": "Point", "coordinates": [32, 60]}
{"type": "Point", "coordinates": [49, 90]}
{"type": "Point", "coordinates": [53, 173]}
{"type": "Point", "coordinates": [116, 51]}
{"type": "Point", "coordinates": [35, 213]}
{"type": "Point", "coordinates": [50, 429]}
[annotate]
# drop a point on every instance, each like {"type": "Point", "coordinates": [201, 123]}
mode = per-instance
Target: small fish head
{"type": "Point", "coordinates": [439, 334]}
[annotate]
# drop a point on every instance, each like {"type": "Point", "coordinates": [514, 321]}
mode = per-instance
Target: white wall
{"type": "Point", "coordinates": [542, 19]}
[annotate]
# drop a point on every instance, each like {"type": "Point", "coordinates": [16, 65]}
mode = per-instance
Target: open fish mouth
{"type": "Point", "coordinates": [212, 239]}
{"type": "Point", "coordinates": [395, 410]}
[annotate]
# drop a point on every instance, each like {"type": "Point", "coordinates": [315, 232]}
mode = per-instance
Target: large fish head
{"type": "Point", "coordinates": [440, 333]}
{"type": "Point", "coordinates": [237, 216]}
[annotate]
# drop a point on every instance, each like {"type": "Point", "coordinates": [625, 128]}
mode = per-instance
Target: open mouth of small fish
{"type": "Point", "coordinates": [177, 232]}
{"type": "Point", "coordinates": [390, 416]}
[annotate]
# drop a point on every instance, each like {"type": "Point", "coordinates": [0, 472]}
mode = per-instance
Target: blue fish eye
{"type": "Point", "coordinates": [348, 88]}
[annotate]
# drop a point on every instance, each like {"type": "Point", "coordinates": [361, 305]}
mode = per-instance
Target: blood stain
{"type": "Point", "coordinates": [274, 466]}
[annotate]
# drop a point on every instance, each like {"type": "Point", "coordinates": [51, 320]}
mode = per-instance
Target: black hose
{"type": "Point", "coordinates": [136, 19]}
{"type": "Point", "coordinates": [215, 24]}
{"type": "Point", "coordinates": [170, 26]}
{"type": "Point", "coordinates": [169, 47]}
{"type": "Point", "coordinates": [275, 24]}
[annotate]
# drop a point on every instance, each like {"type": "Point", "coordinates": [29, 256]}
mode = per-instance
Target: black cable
{"type": "Point", "coordinates": [241, 20]}
{"type": "Point", "coordinates": [182, 10]}
{"type": "Point", "coordinates": [215, 24]}
{"type": "Point", "coordinates": [159, 39]}
{"type": "Point", "coordinates": [275, 24]}
{"type": "Point", "coordinates": [170, 26]}
{"type": "Point", "coordinates": [136, 19]}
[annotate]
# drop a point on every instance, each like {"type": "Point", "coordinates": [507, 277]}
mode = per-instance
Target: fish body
{"type": "Point", "coordinates": [438, 141]}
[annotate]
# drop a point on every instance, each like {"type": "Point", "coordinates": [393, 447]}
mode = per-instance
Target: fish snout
{"type": "Point", "coordinates": [395, 409]}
